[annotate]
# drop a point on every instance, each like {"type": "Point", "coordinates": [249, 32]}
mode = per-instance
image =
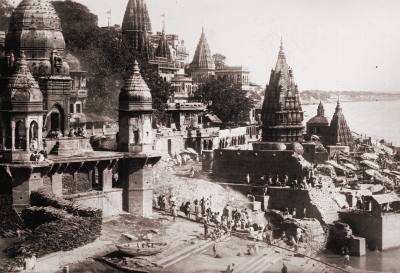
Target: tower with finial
{"type": "Point", "coordinates": [339, 132]}
{"type": "Point", "coordinates": [42, 41]}
{"type": "Point", "coordinates": [135, 114]}
{"type": "Point", "coordinates": [202, 67]}
{"type": "Point", "coordinates": [136, 26]}
{"type": "Point", "coordinates": [318, 125]}
{"type": "Point", "coordinates": [282, 114]}
{"type": "Point", "coordinates": [136, 140]}
{"type": "Point", "coordinates": [21, 115]}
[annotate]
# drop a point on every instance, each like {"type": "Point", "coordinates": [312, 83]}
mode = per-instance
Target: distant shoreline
{"type": "Point", "coordinates": [315, 102]}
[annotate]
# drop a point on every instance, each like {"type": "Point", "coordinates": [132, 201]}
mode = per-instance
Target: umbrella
{"type": "Point", "coordinates": [376, 188]}
{"type": "Point", "coordinates": [369, 156]}
{"type": "Point", "coordinates": [370, 164]}
{"type": "Point", "coordinates": [336, 165]}
{"type": "Point", "coordinates": [350, 166]}
{"type": "Point", "coordinates": [371, 172]}
{"type": "Point", "coordinates": [387, 150]}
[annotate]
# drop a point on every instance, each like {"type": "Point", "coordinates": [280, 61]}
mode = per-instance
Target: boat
{"type": "Point", "coordinates": [141, 248]}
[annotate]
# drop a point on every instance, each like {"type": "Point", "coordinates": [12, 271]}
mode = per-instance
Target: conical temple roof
{"type": "Point", "coordinates": [22, 92]}
{"type": "Point", "coordinates": [339, 131]}
{"type": "Point", "coordinates": [136, 17]}
{"type": "Point", "coordinates": [135, 94]}
{"type": "Point", "coordinates": [203, 57]}
{"type": "Point", "coordinates": [282, 75]}
{"type": "Point", "coordinates": [163, 48]}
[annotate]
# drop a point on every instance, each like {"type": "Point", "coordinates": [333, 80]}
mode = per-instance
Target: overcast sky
{"type": "Point", "coordinates": [330, 44]}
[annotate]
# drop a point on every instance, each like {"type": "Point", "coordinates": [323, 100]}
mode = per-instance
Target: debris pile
{"type": "Point", "coordinates": [10, 222]}
{"type": "Point", "coordinates": [63, 226]}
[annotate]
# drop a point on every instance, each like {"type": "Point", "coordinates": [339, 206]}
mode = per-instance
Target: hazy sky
{"type": "Point", "coordinates": [330, 44]}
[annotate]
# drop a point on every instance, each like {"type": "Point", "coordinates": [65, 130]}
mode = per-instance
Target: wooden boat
{"type": "Point", "coordinates": [141, 248]}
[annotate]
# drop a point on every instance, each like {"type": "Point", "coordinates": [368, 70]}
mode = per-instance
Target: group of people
{"type": "Point", "coordinates": [80, 132]}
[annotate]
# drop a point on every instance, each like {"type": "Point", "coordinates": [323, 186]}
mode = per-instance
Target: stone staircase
{"type": "Point", "coordinates": [261, 261]}
{"type": "Point", "coordinates": [187, 251]}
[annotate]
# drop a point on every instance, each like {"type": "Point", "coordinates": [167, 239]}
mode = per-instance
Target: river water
{"type": "Point", "coordinates": [377, 119]}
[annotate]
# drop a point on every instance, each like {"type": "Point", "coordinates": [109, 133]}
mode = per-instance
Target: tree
{"type": "Point", "coordinates": [219, 60]}
{"type": "Point", "coordinates": [228, 101]}
{"type": "Point", "coordinates": [79, 25]}
{"type": "Point", "coordinates": [5, 14]}
{"type": "Point", "coordinates": [108, 60]}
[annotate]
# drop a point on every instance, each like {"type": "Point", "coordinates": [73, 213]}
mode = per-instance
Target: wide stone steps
{"type": "Point", "coordinates": [186, 252]}
{"type": "Point", "coordinates": [263, 257]}
{"type": "Point", "coordinates": [266, 263]}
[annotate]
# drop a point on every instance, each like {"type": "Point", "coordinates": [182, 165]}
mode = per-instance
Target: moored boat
{"type": "Point", "coordinates": [141, 248]}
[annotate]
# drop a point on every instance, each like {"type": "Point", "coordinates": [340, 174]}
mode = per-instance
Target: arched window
{"type": "Point", "coordinates": [20, 135]}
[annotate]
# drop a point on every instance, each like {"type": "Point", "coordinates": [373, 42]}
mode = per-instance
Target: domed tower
{"type": "Point", "coordinates": [21, 114]}
{"type": "Point", "coordinates": [136, 26]}
{"type": "Point", "coordinates": [135, 115]}
{"type": "Point", "coordinates": [318, 125]}
{"type": "Point", "coordinates": [202, 66]}
{"type": "Point", "coordinates": [282, 114]}
{"type": "Point", "coordinates": [78, 91]}
{"type": "Point", "coordinates": [339, 132]}
{"type": "Point", "coordinates": [35, 29]}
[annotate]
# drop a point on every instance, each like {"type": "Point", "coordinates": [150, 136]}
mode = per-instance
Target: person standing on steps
{"type": "Point", "coordinates": [248, 179]}
{"type": "Point", "coordinates": [205, 230]}
{"type": "Point", "coordinates": [284, 269]}
{"type": "Point", "coordinates": [215, 249]}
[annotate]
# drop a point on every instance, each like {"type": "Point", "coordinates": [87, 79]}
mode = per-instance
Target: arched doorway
{"type": "Point", "coordinates": [55, 119]}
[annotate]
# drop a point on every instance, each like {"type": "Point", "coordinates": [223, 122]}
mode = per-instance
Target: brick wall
{"type": "Point", "coordinates": [365, 225]}
{"type": "Point", "coordinates": [258, 163]}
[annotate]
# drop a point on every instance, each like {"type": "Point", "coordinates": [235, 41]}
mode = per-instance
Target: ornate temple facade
{"type": "Point", "coordinates": [282, 114]}
{"type": "Point", "coordinates": [37, 94]}
{"type": "Point", "coordinates": [319, 124]}
{"type": "Point", "coordinates": [202, 67]}
{"type": "Point", "coordinates": [35, 29]}
{"type": "Point", "coordinates": [339, 132]}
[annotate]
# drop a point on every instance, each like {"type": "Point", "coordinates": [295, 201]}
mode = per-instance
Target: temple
{"type": "Point", "coordinates": [339, 132]}
{"type": "Point", "coordinates": [282, 113]}
{"type": "Point", "coordinates": [39, 151]}
{"type": "Point", "coordinates": [318, 125]}
{"type": "Point", "coordinates": [202, 67]}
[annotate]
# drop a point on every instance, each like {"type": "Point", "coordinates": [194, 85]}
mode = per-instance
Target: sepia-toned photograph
{"type": "Point", "coordinates": [199, 136]}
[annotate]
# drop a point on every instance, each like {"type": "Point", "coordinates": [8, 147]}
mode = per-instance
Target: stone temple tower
{"type": "Point", "coordinates": [202, 67]}
{"type": "Point", "coordinates": [35, 29]}
{"type": "Point", "coordinates": [136, 26]}
{"type": "Point", "coordinates": [136, 139]}
{"type": "Point", "coordinates": [282, 114]}
{"type": "Point", "coordinates": [339, 132]}
{"type": "Point", "coordinates": [21, 114]}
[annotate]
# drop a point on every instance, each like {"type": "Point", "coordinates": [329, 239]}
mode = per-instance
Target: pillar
{"type": "Point", "coordinates": [105, 178]}
{"type": "Point", "coordinates": [56, 184]}
{"type": "Point", "coordinates": [136, 174]}
{"type": "Point", "coordinates": [13, 135]}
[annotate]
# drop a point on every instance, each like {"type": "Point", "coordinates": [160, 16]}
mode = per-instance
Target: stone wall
{"type": "Point", "coordinates": [169, 143]}
{"type": "Point", "coordinates": [256, 163]}
{"type": "Point", "coordinates": [390, 231]}
{"type": "Point", "coordinates": [319, 204]}
{"type": "Point", "coordinates": [110, 202]}
{"type": "Point", "coordinates": [364, 224]}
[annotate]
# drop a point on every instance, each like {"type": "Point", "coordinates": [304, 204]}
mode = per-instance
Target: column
{"type": "Point", "coordinates": [28, 139]}
{"type": "Point", "coordinates": [105, 175]}
{"type": "Point", "coordinates": [12, 135]}
{"type": "Point", "coordinates": [56, 184]}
